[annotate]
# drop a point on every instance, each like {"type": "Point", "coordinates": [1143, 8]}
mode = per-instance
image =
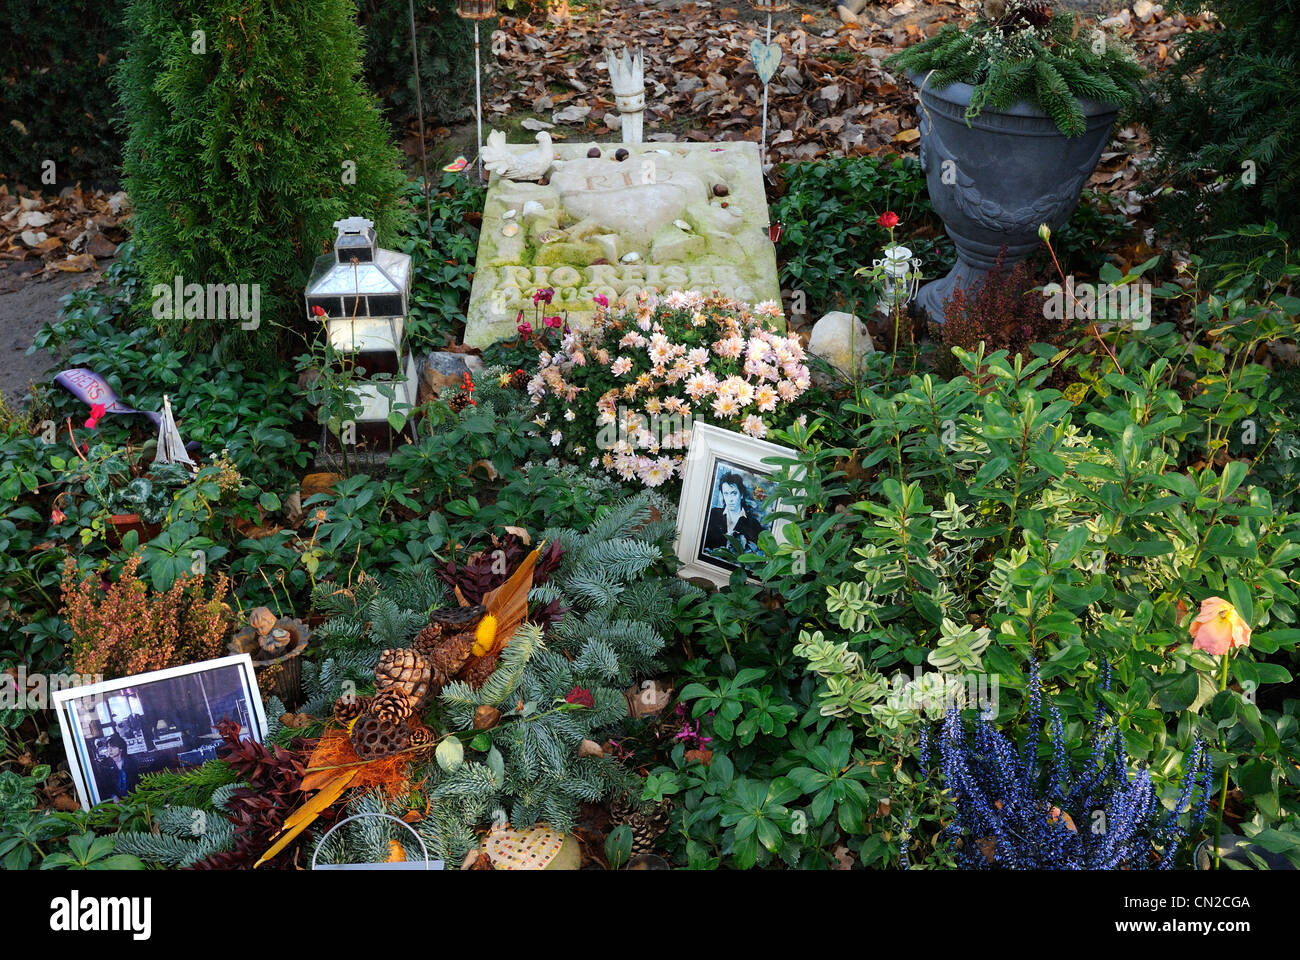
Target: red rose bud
{"type": "Point", "coordinates": [318, 311]}
{"type": "Point", "coordinates": [888, 219]}
{"type": "Point", "coordinates": [580, 697]}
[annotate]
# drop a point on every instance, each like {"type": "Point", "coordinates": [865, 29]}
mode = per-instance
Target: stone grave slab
{"type": "Point", "coordinates": [669, 216]}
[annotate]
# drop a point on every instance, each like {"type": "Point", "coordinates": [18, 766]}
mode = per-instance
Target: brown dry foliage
{"type": "Point", "coordinates": [125, 628]}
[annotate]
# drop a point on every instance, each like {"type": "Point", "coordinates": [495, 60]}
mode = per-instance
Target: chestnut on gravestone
{"type": "Point", "coordinates": [654, 220]}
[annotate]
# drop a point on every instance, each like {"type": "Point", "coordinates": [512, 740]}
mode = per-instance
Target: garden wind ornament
{"type": "Point", "coordinates": [171, 448]}
{"type": "Point", "coordinates": [766, 57]}
{"type": "Point", "coordinates": [627, 74]}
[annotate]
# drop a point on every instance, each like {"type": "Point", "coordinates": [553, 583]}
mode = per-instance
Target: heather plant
{"type": "Point", "coordinates": [122, 628]}
{"type": "Point", "coordinates": [622, 395]}
{"type": "Point", "coordinates": [1014, 813]}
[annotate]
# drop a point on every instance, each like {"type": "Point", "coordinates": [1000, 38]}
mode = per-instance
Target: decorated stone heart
{"type": "Point", "coordinates": [766, 57]}
{"type": "Point", "coordinates": [531, 849]}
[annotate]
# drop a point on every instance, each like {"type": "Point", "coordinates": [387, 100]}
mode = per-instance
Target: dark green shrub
{"type": "Point", "coordinates": [446, 46]}
{"type": "Point", "coordinates": [1225, 119]}
{"type": "Point", "coordinates": [240, 158]}
{"type": "Point", "coordinates": [55, 85]}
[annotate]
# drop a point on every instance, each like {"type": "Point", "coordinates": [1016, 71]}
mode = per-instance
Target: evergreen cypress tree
{"type": "Point", "coordinates": [249, 134]}
{"type": "Point", "coordinates": [1225, 119]}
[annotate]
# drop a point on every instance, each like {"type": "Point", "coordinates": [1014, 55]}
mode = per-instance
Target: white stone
{"type": "Point", "coordinates": [34, 218]}
{"type": "Point", "coordinates": [842, 340]}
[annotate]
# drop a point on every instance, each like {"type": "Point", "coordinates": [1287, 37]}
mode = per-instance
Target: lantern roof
{"type": "Point", "coordinates": [359, 268]}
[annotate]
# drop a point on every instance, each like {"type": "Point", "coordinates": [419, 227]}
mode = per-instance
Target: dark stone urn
{"type": "Point", "coordinates": [995, 179]}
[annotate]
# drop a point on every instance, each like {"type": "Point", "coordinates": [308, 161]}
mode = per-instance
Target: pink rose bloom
{"type": "Point", "coordinates": [1218, 628]}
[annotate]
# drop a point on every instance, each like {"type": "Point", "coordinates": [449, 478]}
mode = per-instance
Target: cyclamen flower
{"type": "Point", "coordinates": [97, 412]}
{"type": "Point", "coordinates": [545, 295]}
{"type": "Point", "coordinates": [553, 322]}
{"type": "Point", "coordinates": [620, 366]}
{"type": "Point", "coordinates": [556, 437]}
{"type": "Point", "coordinates": [57, 515]}
{"type": "Point", "coordinates": [600, 300]}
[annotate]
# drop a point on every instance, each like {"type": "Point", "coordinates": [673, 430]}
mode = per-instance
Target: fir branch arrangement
{"type": "Point", "coordinates": [554, 686]}
{"type": "Point", "coordinates": [1019, 51]}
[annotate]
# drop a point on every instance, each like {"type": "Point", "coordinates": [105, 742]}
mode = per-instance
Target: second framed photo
{"type": "Point", "coordinates": [727, 501]}
{"type": "Point", "coordinates": [117, 731]}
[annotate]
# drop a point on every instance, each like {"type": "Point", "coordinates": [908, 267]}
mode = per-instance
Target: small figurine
{"type": "Point", "coordinates": [533, 165]}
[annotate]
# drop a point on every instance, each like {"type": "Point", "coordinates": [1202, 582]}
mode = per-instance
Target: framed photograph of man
{"type": "Point", "coordinates": [727, 501]}
{"type": "Point", "coordinates": [119, 730]}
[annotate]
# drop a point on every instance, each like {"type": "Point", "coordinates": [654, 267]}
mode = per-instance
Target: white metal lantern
{"type": "Point", "coordinates": [900, 276]}
{"type": "Point", "coordinates": [364, 290]}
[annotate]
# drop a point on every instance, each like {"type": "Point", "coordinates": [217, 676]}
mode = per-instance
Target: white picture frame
{"type": "Point", "coordinates": [91, 715]}
{"type": "Point", "coordinates": [715, 452]}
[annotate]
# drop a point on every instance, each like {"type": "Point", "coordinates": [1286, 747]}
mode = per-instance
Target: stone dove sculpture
{"type": "Point", "coordinates": [532, 165]}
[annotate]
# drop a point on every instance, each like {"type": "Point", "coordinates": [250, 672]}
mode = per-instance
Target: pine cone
{"type": "Point", "coordinates": [391, 705]}
{"type": "Point", "coordinates": [372, 738]}
{"type": "Point", "coordinates": [426, 641]}
{"type": "Point", "coordinates": [460, 402]}
{"type": "Point", "coordinates": [450, 656]}
{"type": "Point", "coordinates": [405, 670]}
{"type": "Point", "coordinates": [420, 736]}
{"type": "Point", "coordinates": [647, 823]}
{"type": "Point", "coordinates": [519, 380]}
{"type": "Point", "coordinates": [479, 669]}
{"type": "Point", "coordinates": [348, 708]}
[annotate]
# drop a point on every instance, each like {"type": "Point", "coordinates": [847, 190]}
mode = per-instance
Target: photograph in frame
{"type": "Point", "coordinates": [117, 731]}
{"type": "Point", "coordinates": [727, 501]}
